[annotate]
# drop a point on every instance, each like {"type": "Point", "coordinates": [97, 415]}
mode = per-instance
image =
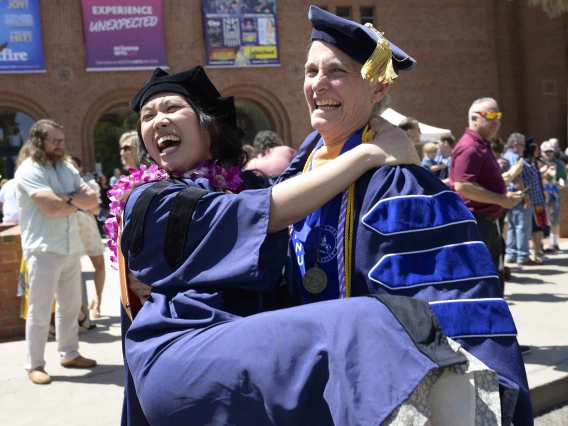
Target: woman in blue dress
{"type": "Point", "coordinates": [211, 345]}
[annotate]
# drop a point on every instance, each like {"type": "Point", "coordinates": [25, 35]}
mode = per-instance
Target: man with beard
{"type": "Point", "coordinates": [49, 192]}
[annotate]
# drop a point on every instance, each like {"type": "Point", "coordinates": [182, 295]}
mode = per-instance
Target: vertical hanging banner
{"type": "Point", "coordinates": [240, 33]}
{"type": "Point", "coordinates": [124, 35]}
{"type": "Point", "coordinates": [20, 37]}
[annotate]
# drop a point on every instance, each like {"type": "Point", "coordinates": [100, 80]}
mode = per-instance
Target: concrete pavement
{"type": "Point", "coordinates": [75, 397]}
{"type": "Point", "coordinates": [537, 296]}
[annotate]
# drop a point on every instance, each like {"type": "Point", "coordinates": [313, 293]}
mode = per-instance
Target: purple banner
{"type": "Point", "coordinates": [123, 35]}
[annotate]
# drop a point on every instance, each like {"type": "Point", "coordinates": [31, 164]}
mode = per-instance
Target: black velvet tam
{"type": "Point", "coordinates": [197, 87]}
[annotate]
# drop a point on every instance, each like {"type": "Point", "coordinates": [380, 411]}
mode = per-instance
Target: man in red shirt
{"type": "Point", "coordinates": [475, 175]}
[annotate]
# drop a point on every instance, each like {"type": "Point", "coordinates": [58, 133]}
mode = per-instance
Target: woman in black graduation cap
{"type": "Point", "coordinates": [211, 241]}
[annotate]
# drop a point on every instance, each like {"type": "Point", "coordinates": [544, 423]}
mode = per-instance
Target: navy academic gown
{"type": "Point", "coordinates": [190, 358]}
{"type": "Point", "coordinates": [415, 237]}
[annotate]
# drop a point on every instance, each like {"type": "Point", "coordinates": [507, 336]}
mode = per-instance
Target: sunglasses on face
{"type": "Point", "coordinates": [490, 115]}
{"type": "Point", "coordinates": [125, 148]}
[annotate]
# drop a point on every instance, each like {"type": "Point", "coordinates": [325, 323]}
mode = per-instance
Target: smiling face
{"type": "Point", "coordinates": [339, 100]}
{"type": "Point", "coordinates": [171, 133]}
{"type": "Point", "coordinates": [127, 156]}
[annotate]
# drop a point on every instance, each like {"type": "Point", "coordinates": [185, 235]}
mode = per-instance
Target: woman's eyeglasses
{"type": "Point", "coordinates": [490, 115]}
{"type": "Point", "coordinates": [126, 148]}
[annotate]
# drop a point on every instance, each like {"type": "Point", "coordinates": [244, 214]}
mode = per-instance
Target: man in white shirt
{"type": "Point", "coordinates": [9, 202]}
{"type": "Point", "coordinates": [50, 190]}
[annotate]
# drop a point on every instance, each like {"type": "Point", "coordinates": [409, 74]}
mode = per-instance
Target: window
{"type": "Point", "coordinates": [251, 118]}
{"type": "Point", "coordinates": [14, 130]}
{"type": "Point", "coordinates": [367, 15]}
{"type": "Point", "coordinates": [108, 130]}
{"type": "Point", "coordinates": [343, 12]}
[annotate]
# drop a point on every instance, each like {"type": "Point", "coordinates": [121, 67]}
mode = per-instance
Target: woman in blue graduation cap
{"type": "Point", "coordinates": [207, 348]}
{"type": "Point", "coordinates": [397, 230]}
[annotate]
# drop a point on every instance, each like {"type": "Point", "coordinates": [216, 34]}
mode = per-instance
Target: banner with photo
{"type": "Point", "coordinates": [123, 36]}
{"type": "Point", "coordinates": [240, 33]}
{"type": "Point", "coordinates": [21, 48]}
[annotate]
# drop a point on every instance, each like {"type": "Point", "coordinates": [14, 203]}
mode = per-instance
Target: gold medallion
{"type": "Point", "coordinates": [315, 280]}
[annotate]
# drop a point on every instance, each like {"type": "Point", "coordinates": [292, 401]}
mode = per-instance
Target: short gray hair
{"type": "Point", "coordinates": [383, 104]}
{"type": "Point", "coordinates": [475, 105]}
{"type": "Point", "coordinates": [515, 138]}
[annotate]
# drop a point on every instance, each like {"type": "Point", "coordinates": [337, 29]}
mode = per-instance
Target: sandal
{"type": "Point", "coordinates": [95, 308]}
{"type": "Point", "coordinates": [89, 328]}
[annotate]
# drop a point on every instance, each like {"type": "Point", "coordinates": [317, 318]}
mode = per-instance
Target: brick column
{"type": "Point", "coordinates": [564, 212]}
{"type": "Point", "coordinates": [10, 257]}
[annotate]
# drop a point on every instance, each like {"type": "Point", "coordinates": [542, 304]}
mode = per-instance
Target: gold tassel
{"type": "Point", "coordinates": [379, 66]}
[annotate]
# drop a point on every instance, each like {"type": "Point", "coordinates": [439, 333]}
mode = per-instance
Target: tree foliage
{"type": "Point", "coordinates": [552, 7]}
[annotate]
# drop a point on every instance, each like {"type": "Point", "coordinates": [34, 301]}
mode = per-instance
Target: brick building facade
{"type": "Point", "coordinates": [465, 49]}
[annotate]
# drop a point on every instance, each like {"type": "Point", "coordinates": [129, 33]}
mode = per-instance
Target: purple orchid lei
{"type": "Point", "coordinates": [223, 179]}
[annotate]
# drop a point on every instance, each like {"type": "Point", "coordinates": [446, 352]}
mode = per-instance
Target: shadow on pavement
{"type": "Point", "coordinates": [522, 297]}
{"type": "Point", "coordinates": [87, 276]}
{"type": "Point", "coordinates": [518, 279]}
{"type": "Point", "coordinates": [102, 375]}
{"type": "Point", "coordinates": [100, 334]}
{"type": "Point", "coordinates": [539, 271]}
{"type": "Point", "coordinates": [556, 356]}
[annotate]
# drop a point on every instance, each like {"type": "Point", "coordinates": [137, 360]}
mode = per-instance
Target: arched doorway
{"type": "Point", "coordinates": [110, 126]}
{"type": "Point", "coordinates": [251, 118]}
{"type": "Point", "coordinates": [14, 131]}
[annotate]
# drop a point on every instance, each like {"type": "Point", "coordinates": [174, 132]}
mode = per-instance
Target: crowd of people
{"type": "Point", "coordinates": [538, 171]}
{"type": "Point", "coordinates": [226, 250]}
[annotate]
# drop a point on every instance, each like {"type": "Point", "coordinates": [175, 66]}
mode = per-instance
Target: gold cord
{"type": "Point", "coordinates": [349, 226]}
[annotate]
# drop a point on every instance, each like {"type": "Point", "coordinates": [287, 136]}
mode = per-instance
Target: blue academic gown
{"type": "Point", "coordinates": [191, 359]}
{"type": "Point", "coordinates": [414, 237]}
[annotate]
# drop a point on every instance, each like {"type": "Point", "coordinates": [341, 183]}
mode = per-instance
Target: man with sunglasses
{"type": "Point", "coordinates": [476, 176]}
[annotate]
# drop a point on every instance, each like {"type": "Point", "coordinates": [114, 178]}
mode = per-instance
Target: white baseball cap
{"type": "Point", "coordinates": [546, 146]}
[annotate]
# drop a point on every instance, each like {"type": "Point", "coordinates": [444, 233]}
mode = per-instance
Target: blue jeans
{"type": "Point", "coordinates": [518, 233]}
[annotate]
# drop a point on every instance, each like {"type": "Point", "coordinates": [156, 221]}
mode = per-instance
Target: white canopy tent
{"type": "Point", "coordinates": [429, 133]}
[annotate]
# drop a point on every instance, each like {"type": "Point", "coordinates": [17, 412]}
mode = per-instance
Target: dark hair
{"type": "Point", "coordinates": [528, 153]}
{"type": "Point", "coordinates": [76, 160]}
{"type": "Point", "coordinates": [497, 146]}
{"type": "Point", "coordinates": [447, 137]}
{"type": "Point", "coordinates": [409, 123]}
{"type": "Point", "coordinates": [264, 140]}
{"type": "Point", "coordinates": [226, 146]}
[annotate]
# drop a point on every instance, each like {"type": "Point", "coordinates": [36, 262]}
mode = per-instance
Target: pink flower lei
{"type": "Point", "coordinates": [224, 179]}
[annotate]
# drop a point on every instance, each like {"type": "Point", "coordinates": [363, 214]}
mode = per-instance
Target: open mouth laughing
{"type": "Point", "coordinates": [168, 144]}
{"type": "Point", "coordinates": [327, 104]}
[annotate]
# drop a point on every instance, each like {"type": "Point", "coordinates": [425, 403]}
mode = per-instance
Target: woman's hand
{"type": "Point", "coordinates": [140, 289]}
{"type": "Point", "coordinates": [395, 147]}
